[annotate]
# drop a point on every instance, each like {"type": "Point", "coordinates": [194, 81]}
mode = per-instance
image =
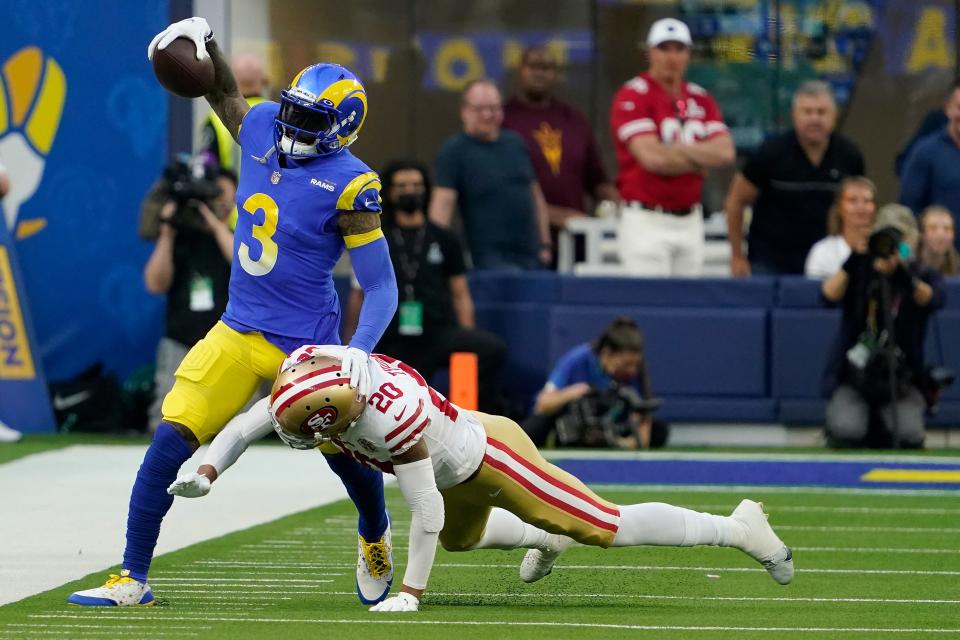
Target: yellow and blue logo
{"type": "Point", "coordinates": [16, 362]}
{"type": "Point", "coordinates": [33, 89]}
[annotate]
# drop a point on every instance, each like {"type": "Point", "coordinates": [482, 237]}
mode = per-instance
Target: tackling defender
{"type": "Point", "coordinates": [480, 469]}
{"type": "Point", "coordinates": [302, 197]}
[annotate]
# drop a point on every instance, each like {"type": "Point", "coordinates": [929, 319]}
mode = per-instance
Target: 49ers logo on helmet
{"type": "Point", "coordinates": [319, 420]}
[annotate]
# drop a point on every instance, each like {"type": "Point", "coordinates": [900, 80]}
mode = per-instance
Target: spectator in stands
{"type": "Point", "coordinates": [667, 133]}
{"type": "Point", "coordinates": [435, 317]}
{"type": "Point", "coordinates": [848, 227]}
{"type": "Point", "coordinates": [886, 298]}
{"type": "Point", "coordinates": [216, 144]}
{"type": "Point", "coordinates": [936, 241]}
{"type": "Point", "coordinates": [934, 121]}
{"type": "Point", "coordinates": [600, 394]}
{"type": "Point", "coordinates": [931, 174]}
{"type": "Point", "coordinates": [790, 181]}
{"type": "Point", "coordinates": [190, 263]}
{"type": "Point", "coordinates": [486, 173]}
{"type": "Point", "coordinates": [560, 140]}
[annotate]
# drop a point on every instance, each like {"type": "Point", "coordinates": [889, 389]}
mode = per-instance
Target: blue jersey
{"type": "Point", "coordinates": [287, 240]}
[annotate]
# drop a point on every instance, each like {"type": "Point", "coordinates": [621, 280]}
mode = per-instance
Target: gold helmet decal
{"type": "Point", "coordinates": [311, 402]}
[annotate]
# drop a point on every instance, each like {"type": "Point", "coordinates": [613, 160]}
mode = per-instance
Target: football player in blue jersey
{"type": "Point", "coordinates": [302, 198]}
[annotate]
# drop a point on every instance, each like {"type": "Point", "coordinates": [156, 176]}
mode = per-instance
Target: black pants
{"type": "Point", "coordinates": [431, 351]}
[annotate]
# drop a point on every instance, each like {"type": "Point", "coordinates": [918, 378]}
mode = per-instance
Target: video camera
{"type": "Point", "coordinates": [887, 241]}
{"type": "Point", "coordinates": [602, 417]}
{"type": "Point", "coordinates": [188, 181]}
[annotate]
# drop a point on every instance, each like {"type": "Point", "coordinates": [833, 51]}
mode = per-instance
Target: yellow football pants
{"type": "Point", "coordinates": [217, 377]}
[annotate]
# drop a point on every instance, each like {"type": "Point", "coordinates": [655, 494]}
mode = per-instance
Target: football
{"type": "Point", "coordinates": [179, 71]}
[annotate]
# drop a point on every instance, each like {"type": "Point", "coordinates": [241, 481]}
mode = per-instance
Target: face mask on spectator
{"type": "Point", "coordinates": [409, 202]}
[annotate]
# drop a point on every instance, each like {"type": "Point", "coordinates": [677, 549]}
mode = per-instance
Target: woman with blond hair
{"type": "Point", "coordinates": [936, 248]}
{"type": "Point", "coordinates": [848, 227]}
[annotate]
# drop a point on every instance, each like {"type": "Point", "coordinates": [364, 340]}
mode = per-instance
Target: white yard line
{"type": "Point", "coordinates": [64, 511]}
{"type": "Point", "coordinates": [803, 527]}
{"type": "Point", "coordinates": [622, 567]}
{"type": "Point", "coordinates": [605, 454]}
{"type": "Point", "coordinates": [529, 623]}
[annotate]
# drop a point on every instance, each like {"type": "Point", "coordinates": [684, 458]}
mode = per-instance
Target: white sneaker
{"type": "Point", "coordinates": [538, 563]}
{"type": "Point", "coordinates": [9, 435]}
{"type": "Point", "coordinates": [761, 543]}
{"type": "Point", "coordinates": [374, 568]}
{"type": "Point", "coordinates": [119, 591]}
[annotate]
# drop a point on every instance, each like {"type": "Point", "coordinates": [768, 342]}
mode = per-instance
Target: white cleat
{"type": "Point", "coordinates": [538, 563]}
{"type": "Point", "coordinates": [374, 568]}
{"type": "Point", "coordinates": [761, 543]}
{"type": "Point", "coordinates": [119, 591]}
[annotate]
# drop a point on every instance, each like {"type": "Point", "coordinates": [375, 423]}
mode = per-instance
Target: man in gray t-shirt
{"type": "Point", "coordinates": [486, 173]}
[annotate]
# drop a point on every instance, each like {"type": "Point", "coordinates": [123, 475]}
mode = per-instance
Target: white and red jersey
{"type": "Point", "coordinates": [401, 410]}
{"type": "Point", "coordinates": [642, 107]}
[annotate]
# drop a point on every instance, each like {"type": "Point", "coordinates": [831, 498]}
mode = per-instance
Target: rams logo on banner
{"type": "Point", "coordinates": [16, 362]}
{"type": "Point", "coordinates": [36, 88]}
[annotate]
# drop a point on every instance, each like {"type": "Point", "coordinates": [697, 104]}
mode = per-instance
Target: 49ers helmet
{"type": "Point", "coordinates": [311, 402]}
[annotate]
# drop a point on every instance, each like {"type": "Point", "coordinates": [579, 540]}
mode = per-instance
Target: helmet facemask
{"type": "Point", "coordinates": [307, 129]}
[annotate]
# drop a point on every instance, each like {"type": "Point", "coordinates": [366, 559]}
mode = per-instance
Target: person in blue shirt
{"type": "Point", "coordinates": [615, 361]}
{"type": "Point", "coordinates": [302, 198]}
{"type": "Point", "coordinates": [931, 175]}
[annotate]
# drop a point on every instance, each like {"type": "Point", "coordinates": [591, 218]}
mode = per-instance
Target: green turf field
{"type": "Point", "coordinates": [869, 565]}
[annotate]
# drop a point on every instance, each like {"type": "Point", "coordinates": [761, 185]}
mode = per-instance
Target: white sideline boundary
{"type": "Point", "coordinates": [64, 511]}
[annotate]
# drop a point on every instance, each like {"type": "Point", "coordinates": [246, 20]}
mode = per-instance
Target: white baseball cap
{"type": "Point", "coordinates": [669, 30]}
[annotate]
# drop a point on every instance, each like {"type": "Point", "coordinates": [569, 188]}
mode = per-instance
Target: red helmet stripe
{"type": "Point", "coordinates": [306, 376]}
{"type": "Point", "coordinates": [299, 394]}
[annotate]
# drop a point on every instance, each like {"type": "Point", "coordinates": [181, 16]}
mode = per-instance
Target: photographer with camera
{"type": "Point", "coordinates": [188, 211]}
{"type": "Point", "coordinates": [876, 371]}
{"type": "Point", "coordinates": [599, 395]}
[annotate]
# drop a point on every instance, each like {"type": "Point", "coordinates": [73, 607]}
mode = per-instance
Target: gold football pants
{"type": "Point", "coordinates": [514, 476]}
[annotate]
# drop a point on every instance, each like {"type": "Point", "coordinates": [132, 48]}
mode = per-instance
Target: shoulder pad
{"type": "Point", "coordinates": [696, 89]}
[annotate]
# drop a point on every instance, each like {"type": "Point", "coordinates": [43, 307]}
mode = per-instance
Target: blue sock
{"type": "Point", "coordinates": [365, 487]}
{"type": "Point", "coordinates": [149, 500]}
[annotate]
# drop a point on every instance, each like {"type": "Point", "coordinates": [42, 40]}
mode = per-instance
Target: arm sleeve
{"type": "Point", "coordinates": [239, 434]}
{"type": "Point", "coordinates": [419, 489]}
{"type": "Point", "coordinates": [374, 271]}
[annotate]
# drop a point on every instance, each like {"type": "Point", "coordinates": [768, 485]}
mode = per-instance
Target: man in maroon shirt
{"type": "Point", "coordinates": [667, 133]}
{"type": "Point", "coordinates": [566, 159]}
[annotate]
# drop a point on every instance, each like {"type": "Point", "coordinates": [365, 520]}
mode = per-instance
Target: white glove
{"type": "Point", "coordinates": [308, 351]}
{"type": "Point", "coordinates": [356, 365]}
{"type": "Point", "coordinates": [401, 602]}
{"type": "Point", "coordinates": [190, 485]}
{"type": "Point", "coordinates": [195, 29]}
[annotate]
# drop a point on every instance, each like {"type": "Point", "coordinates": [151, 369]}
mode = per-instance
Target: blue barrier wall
{"type": "Point", "coordinates": [718, 350]}
{"type": "Point", "coordinates": [83, 138]}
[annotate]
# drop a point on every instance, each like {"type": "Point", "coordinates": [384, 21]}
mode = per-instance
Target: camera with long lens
{"type": "Point", "coordinates": [885, 242]}
{"type": "Point", "coordinates": [187, 182]}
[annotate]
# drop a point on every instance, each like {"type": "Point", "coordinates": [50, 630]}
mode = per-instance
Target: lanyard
{"type": "Point", "coordinates": [409, 260]}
